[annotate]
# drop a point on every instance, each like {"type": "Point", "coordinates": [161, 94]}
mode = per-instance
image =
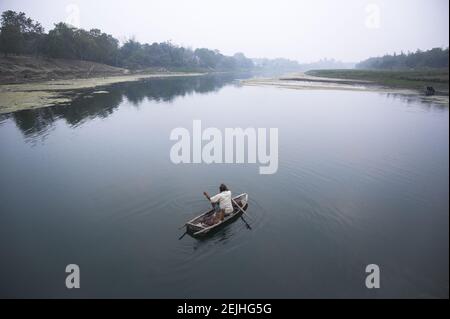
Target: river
{"type": "Point", "coordinates": [363, 178]}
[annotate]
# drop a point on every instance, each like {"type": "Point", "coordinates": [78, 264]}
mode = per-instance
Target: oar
{"type": "Point", "coordinates": [243, 211]}
{"type": "Point", "coordinates": [246, 224]}
{"type": "Point", "coordinates": [180, 238]}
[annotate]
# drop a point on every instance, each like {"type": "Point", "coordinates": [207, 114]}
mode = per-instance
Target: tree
{"type": "Point", "coordinates": [61, 42]}
{"type": "Point", "coordinates": [19, 34]}
{"type": "Point", "coordinates": [22, 35]}
{"type": "Point", "coordinates": [11, 35]}
{"type": "Point", "coordinates": [434, 58]}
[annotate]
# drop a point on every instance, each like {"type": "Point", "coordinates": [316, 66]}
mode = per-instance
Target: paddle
{"type": "Point", "coordinates": [243, 211]}
{"type": "Point", "coordinates": [181, 237]}
{"type": "Point", "coordinates": [246, 224]}
{"type": "Point", "coordinates": [208, 198]}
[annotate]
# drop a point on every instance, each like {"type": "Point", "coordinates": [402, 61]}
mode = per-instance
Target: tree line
{"type": "Point", "coordinates": [434, 58]}
{"type": "Point", "coordinates": [22, 35]}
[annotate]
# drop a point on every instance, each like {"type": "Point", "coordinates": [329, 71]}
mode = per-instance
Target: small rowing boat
{"type": "Point", "coordinates": [199, 226]}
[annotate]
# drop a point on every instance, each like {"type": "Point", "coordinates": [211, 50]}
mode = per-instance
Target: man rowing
{"type": "Point", "coordinates": [221, 202]}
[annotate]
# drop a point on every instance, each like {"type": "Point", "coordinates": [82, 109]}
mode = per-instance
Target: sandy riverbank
{"type": "Point", "coordinates": [16, 97]}
{"type": "Point", "coordinates": [300, 81]}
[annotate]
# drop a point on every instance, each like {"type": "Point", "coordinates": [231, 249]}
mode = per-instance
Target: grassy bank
{"type": "Point", "coordinates": [16, 97]}
{"type": "Point", "coordinates": [28, 82]}
{"type": "Point", "coordinates": [404, 79]}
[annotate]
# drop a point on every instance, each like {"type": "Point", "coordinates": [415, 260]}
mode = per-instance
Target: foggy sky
{"type": "Point", "coordinates": [347, 30]}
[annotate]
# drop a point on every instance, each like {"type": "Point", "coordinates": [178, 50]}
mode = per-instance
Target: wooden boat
{"type": "Point", "coordinates": [197, 226]}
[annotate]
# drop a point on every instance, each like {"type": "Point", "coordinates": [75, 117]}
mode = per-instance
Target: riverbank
{"type": "Point", "coordinates": [403, 79]}
{"type": "Point", "coordinates": [28, 69]}
{"type": "Point", "coordinates": [408, 83]}
{"type": "Point", "coordinates": [16, 97]}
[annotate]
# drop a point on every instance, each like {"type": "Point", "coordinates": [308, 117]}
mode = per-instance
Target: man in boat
{"type": "Point", "coordinates": [221, 202]}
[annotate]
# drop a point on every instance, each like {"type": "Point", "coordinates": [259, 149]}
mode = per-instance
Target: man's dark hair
{"type": "Point", "coordinates": [223, 188]}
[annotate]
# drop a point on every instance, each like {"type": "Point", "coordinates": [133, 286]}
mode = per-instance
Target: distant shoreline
{"type": "Point", "coordinates": [346, 80]}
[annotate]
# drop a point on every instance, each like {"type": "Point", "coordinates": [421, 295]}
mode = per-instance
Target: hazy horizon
{"type": "Point", "coordinates": [349, 31]}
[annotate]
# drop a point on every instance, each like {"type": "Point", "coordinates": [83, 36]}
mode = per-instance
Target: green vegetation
{"type": "Point", "coordinates": [22, 35]}
{"type": "Point", "coordinates": [19, 34]}
{"type": "Point", "coordinates": [408, 79]}
{"type": "Point", "coordinates": [16, 97]}
{"type": "Point", "coordinates": [434, 58]}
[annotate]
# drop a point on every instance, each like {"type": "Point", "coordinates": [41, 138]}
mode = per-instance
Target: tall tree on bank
{"type": "Point", "coordinates": [19, 34]}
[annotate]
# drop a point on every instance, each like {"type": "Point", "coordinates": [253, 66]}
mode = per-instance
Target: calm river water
{"type": "Point", "coordinates": [363, 179]}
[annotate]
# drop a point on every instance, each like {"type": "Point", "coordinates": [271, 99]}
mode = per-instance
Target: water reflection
{"type": "Point", "coordinates": [87, 105]}
{"type": "Point", "coordinates": [414, 100]}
